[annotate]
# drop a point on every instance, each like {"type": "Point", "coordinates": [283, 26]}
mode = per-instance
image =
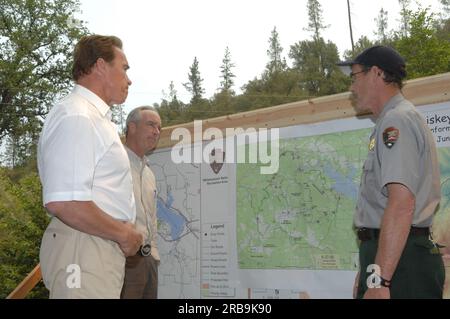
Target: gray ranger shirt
{"type": "Point", "coordinates": [402, 150]}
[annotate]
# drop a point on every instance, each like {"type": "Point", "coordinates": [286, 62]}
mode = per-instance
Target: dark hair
{"type": "Point", "coordinates": [394, 79]}
{"type": "Point", "coordinates": [388, 78]}
{"type": "Point", "coordinates": [91, 48]}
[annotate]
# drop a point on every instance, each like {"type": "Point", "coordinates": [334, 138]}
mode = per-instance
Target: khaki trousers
{"type": "Point", "coordinates": [78, 265]}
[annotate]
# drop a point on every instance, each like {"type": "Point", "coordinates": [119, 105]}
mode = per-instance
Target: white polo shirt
{"type": "Point", "coordinates": [81, 157]}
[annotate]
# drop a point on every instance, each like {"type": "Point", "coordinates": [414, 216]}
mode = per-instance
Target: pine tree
{"type": "Point", "coordinates": [382, 26]}
{"type": "Point", "coordinates": [315, 60]}
{"type": "Point", "coordinates": [405, 14]}
{"type": "Point", "coordinates": [227, 75]}
{"type": "Point", "coordinates": [194, 86]}
{"type": "Point", "coordinates": [172, 92]}
{"type": "Point", "coordinates": [171, 109]}
{"type": "Point", "coordinates": [315, 24]}
{"type": "Point", "coordinates": [276, 63]}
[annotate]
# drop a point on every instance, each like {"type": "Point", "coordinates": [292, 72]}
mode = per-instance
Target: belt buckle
{"type": "Point", "coordinates": [146, 250]}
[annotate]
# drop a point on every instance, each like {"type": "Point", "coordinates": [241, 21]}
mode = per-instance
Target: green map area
{"type": "Point", "coordinates": [441, 225]}
{"type": "Point", "coordinates": [302, 217]}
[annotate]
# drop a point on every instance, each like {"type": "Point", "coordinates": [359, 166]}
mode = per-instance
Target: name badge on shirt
{"type": "Point", "coordinates": [372, 144]}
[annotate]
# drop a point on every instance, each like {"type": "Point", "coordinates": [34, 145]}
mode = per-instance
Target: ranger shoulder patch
{"type": "Point", "coordinates": [390, 136]}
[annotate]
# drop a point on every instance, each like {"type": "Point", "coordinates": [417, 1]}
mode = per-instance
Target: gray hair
{"type": "Point", "coordinates": [135, 115]}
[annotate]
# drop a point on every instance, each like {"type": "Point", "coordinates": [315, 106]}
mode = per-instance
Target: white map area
{"type": "Point", "coordinates": [178, 226]}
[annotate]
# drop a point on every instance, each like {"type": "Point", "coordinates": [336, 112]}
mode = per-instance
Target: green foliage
{"type": "Point", "coordinates": [198, 109]}
{"type": "Point", "coordinates": [272, 89]}
{"type": "Point", "coordinates": [424, 52]}
{"type": "Point", "coordinates": [22, 223]}
{"type": "Point", "coordinates": [36, 39]}
{"type": "Point", "coordinates": [223, 103]}
{"type": "Point", "coordinates": [362, 44]}
{"type": "Point", "coordinates": [316, 61]}
{"type": "Point", "coordinates": [171, 110]}
{"type": "Point", "coordinates": [443, 30]}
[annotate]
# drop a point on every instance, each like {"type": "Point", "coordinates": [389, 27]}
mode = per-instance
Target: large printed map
{"type": "Point", "coordinates": [178, 227]}
{"type": "Point", "coordinates": [301, 217]}
{"type": "Point", "coordinates": [296, 223]}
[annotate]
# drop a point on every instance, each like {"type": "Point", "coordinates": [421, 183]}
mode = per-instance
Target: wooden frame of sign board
{"type": "Point", "coordinates": [423, 91]}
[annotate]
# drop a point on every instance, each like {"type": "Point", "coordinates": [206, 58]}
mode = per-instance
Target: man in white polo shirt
{"type": "Point", "coordinates": [86, 179]}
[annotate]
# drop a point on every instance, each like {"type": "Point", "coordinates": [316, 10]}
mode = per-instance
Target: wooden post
{"type": "Point", "coordinates": [27, 284]}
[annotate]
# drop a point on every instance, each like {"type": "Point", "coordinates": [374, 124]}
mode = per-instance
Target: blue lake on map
{"type": "Point", "coordinates": [343, 184]}
{"type": "Point", "coordinates": [171, 216]}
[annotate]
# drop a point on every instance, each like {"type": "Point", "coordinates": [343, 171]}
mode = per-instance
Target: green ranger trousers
{"type": "Point", "coordinates": [420, 273]}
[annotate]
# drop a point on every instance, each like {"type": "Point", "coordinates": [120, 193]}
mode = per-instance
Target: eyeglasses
{"type": "Point", "coordinates": [353, 75]}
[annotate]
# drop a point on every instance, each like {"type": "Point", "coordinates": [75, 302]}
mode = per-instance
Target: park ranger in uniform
{"type": "Point", "coordinates": [400, 186]}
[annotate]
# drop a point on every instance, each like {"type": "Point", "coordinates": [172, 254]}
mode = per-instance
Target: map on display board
{"type": "Point", "coordinates": [179, 213]}
{"type": "Point", "coordinates": [301, 217]}
{"type": "Point", "coordinates": [229, 231]}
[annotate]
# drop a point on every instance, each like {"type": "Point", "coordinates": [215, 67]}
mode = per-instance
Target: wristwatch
{"type": "Point", "coordinates": [376, 281]}
{"type": "Point", "coordinates": [385, 283]}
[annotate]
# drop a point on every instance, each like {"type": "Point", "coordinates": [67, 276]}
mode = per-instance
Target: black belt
{"type": "Point", "coordinates": [144, 250]}
{"type": "Point", "coordinates": [365, 234]}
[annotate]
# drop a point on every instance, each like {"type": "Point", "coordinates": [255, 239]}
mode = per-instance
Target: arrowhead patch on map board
{"type": "Point", "coordinates": [216, 158]}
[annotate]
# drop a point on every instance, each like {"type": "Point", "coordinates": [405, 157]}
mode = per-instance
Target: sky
{"type": "Point", "coordinates": [162, 37]}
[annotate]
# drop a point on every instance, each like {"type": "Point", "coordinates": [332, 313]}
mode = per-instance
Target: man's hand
{"type": "Point", "coordinates": [131, 240]}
